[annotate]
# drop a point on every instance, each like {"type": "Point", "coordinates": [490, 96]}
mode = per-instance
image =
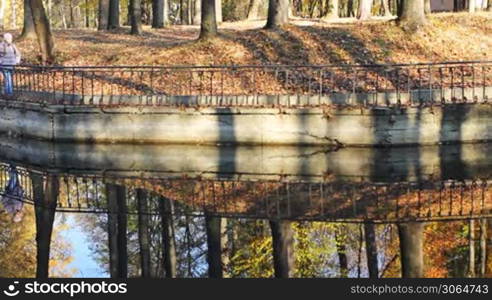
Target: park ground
{"type": "Point", "coordinates": [449, 37]}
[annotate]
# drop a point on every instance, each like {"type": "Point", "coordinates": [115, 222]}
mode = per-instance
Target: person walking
{"type": "Point", "coordinates": [12, 198]}
{"type": "Point", "coordinates": [9, 57]}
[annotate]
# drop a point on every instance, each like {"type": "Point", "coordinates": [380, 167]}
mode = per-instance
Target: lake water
{"type": "Point", "coordinates": [204, 211]}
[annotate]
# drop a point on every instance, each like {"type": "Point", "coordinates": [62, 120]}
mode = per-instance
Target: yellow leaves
{"type": "Point", "coordinates": [438, 244]}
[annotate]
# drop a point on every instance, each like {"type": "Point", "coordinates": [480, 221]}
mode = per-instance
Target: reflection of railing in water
{"type": "Point", "coordinates": [334, 201]}
{"type": "Point", "coordinates": [220, 85]}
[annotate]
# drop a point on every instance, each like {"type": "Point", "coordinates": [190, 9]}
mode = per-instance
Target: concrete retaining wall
{"type": "Point", "coordinates": [387, 126]}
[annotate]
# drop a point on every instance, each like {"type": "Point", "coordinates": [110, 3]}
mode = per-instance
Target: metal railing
{"type": "Point", "coordinates": [264, 86]}
{"type": "Point", "coordinates": [333, 201]}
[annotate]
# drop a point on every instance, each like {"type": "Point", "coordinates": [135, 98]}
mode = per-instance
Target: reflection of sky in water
{"type": "Point", "coordinates": [83, 260]}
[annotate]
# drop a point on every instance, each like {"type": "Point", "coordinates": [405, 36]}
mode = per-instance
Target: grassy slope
{"type": "Point", "coordinates": [450, 37]}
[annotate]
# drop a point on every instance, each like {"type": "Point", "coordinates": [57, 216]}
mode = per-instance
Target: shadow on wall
{"type": "Point", "coordinates": [227, 132]}
{"type": "Point", "coordinates": [457, 114]}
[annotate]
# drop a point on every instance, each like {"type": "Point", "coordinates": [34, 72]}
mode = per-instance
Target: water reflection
{"type": "Point", "coordinates": [255, 163]}
{"type": "Point", "coordinates": [163, 218]}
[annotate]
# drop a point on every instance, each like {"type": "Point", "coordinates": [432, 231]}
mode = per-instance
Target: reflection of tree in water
{"type": "Point", "coordinates": [188, 233]}
{"type": "Point", "coordinates": [247, 251]}
{"type": "Point", "coordinates": [321, 249]}
{"type": "Point", "coordinates": [18, 247]}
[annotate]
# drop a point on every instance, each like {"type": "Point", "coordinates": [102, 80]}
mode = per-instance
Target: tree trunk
{"type": "Point", "coordinates": [427, 7]}
{"type": "Point", "coordinates": [122, 233]}
{"type": "Point", "coordinates": [166, 12]}
{"type": "Point", "coordinates": [72, 19]}
{"type": "Point", "coordinates": [483, 246]}
{"type": "Point", "coordinates": [117, 233]}
{"type": "Point", "coordinates": [43, 31]}
{"type": "Point", "coordinates": [457, 5]}
{"type": "Point", "coordinates": [64, 19]}
{"type": "Point", "coordinates": [254, 9]}
{"type": "Point", "coordinates": [87, 14]}
{"type": "Point", "coordinates": [386, 8]}
{"type": "Point", "coordinates": [364, 12]}
{"type": "Point", "coordinates": [103, 15]}
{"type": "Point", "coordinates": [14, 16]}
{"type": "Point", "coordinates": [412, 15]}
{"type": "Point", "coordinates": [157, 13]}
{"type": "Point", "coordinates": [45, 201]}
{"type": "Point", "coordinates": [332, 11]}
{"type": "Point", "coordinates": [197, 12]}
{"type": "Point", "coordinates": [114, 14]}
{"type": "Point", "coordinates": [371, 250]}
{"type": "Point", "coordinates": [278, 13]}
{"type": "Point", "coordinates": [181, 12]}
{"type": "Point", "coordinates": [28, 31]}
{"type": "Point", "coordinates": [143, 232]}
{"type": "Point", "coordinates": [411, 248]}
{"type": "Point", "coordinates": [342, 253]}
{"type": "Point", "coordinates": [283, 248]}
{"type": "Point", "coordinates": [218, 11]}
{"type": "Point", "coordinates": [489, 5]}
{"type": "Point", "coordinates": [189, 13]}
{"type": "Point", "coordinates": [224, 239]}
{"type": "Point", "coordinates": [471, 249]}
{"type": "Point", "coordinates": [351, 8]}
{"type": "Point", "coordinates": [136, 17]}
{"type": "Point", "coordinates": [112, 198]}
{"type": "Point", "coordinates": [471, 6]}
{"type": "Point", "coordinates": [168, 241]}
{"type": "Point", "coordinates": [208, 22]}
{"type": "Point", "coordinates": [214, 246]}
{"type": "Point", "coordinates": [2, 13]}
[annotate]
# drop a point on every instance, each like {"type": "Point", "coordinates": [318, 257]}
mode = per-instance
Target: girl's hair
{"type": "Point", "coordinates": [8, 37]}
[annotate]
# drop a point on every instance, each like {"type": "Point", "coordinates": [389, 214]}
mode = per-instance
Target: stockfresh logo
{"type": "Point", "coordinates": [12, 290]}
{"type": "Point", "coordinates": [68, 288]}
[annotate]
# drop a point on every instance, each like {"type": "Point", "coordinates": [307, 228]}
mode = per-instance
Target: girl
{"type": "Point", "coordinates": [9, 57]}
